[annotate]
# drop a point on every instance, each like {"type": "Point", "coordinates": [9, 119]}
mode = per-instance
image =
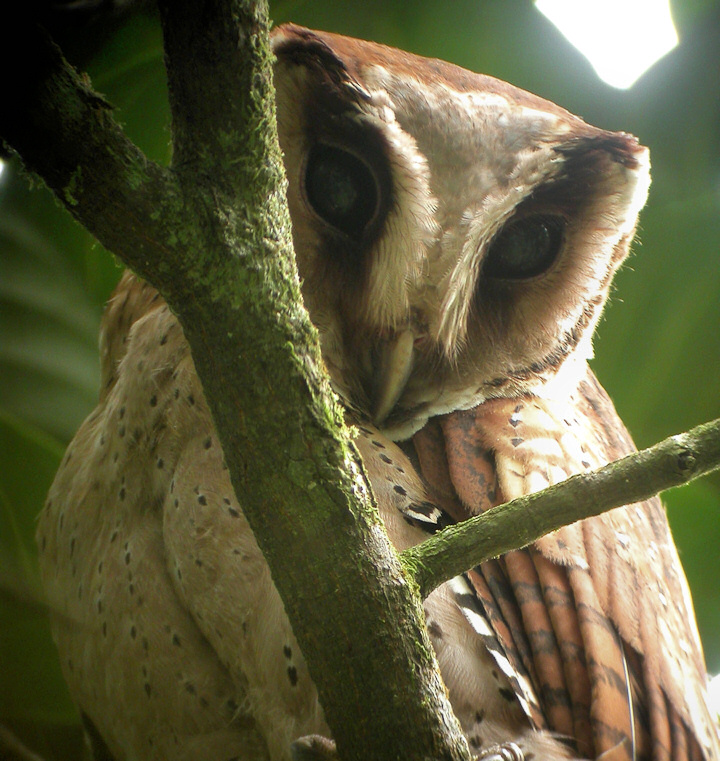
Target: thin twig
{"type": "Point", "coordinates": [672, 462]}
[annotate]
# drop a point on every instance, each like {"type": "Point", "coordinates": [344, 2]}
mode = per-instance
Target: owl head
{"type": "Point", "coordinates": [456, 236]}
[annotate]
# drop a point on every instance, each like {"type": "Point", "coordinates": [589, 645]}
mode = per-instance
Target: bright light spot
{"type": "Point", "coordinates": [2, 167]}
{"type": "Point", "coordinates": [621, 38]}
{"type": "Point", "coordinates": [714, 697]}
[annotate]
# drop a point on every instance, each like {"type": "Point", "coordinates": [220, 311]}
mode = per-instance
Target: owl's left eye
{"type": "Point", "coordinates": [341, 189]}
{"type": "Point", "coordinates": [525, 248]}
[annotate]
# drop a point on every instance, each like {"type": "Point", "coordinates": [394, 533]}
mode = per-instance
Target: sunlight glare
{"type": "Point", "coordinates": [622, 39]}
{"type": "Point", "coordinates": [714, 696]}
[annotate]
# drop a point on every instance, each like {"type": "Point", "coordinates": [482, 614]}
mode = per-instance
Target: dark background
{"type": "Point", "coordinates": [657, 349]}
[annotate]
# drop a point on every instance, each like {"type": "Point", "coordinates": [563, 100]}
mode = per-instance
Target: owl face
{"type": "Point", "coordinates": [456, 236]}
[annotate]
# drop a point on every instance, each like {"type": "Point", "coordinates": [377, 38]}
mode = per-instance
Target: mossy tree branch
{"type": "Point", "coordinates": [212, 234]}
{"type": "Point", "coordinates": [65, 133]}
{"type": "Point", "coordinates": [672, 462]}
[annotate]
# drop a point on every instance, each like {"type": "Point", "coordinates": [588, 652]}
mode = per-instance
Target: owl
{"type": "Point", "coordinates": [456, 239]}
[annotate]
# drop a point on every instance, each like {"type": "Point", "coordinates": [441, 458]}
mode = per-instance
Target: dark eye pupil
{"type": "Point", "coordinates": [525, 248]}
{"type": "Point", "coordinates": [341, 189]}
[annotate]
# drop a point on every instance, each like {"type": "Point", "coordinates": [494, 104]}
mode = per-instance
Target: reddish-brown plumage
{"type": "Point", "coordinates": [584, 618]}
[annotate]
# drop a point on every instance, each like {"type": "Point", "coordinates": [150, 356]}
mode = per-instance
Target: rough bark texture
{"type": "Point", "coordinates": [212, 233]}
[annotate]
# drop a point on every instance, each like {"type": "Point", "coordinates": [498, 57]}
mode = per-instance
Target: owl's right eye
{"type": "Point", "coordinates": [526, 247]}
{"type": "Point", "coordinates": [341, 189]}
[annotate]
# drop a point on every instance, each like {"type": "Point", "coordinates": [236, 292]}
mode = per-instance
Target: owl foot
{"type": "Point", "coordinates": [504, 752]}
{"type": "Point", "coordinates": [313, 748]}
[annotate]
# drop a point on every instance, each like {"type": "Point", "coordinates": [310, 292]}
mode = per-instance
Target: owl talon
{"type": "Point", "coordinates": [313, 748]}
{"type": "Point", "coordinates": [504, 752]}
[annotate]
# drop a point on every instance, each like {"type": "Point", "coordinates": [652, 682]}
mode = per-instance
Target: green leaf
{"type": "Point", "coordinates": [693, 513]}
{"type": "Point", "coordinates": [31, 685]}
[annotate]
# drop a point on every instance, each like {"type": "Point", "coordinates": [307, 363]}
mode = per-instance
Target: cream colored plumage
{"type": "Point", "coordinates": [456, 238]}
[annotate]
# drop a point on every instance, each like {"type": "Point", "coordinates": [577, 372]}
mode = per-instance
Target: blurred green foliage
{"type": "Point", "coordinates": [658, 348]}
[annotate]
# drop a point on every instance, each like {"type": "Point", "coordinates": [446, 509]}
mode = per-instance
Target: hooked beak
{"type": "Point", "coordinates": [394, 361]}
